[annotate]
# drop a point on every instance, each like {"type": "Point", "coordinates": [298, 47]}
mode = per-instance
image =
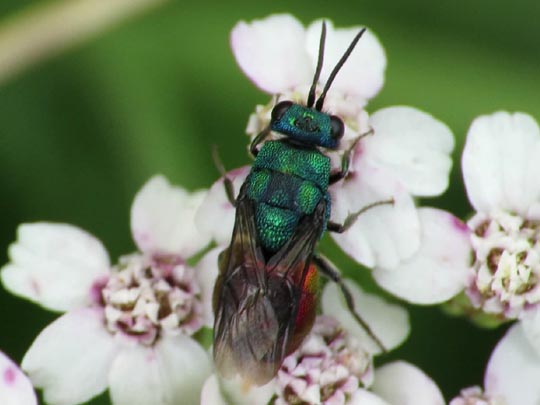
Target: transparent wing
{"type": "Point", "coordinates": [257, 300]}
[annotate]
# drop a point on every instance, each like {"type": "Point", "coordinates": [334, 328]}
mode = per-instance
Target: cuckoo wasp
{"type": "Point", "coordinates": [266, 293]}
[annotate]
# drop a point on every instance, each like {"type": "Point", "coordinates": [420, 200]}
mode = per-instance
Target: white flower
{"type": "Point", "coordinates": [511, 376]}
{"type": "Point", "coordinates": [128, 327]}
{"type": "Point", "coordinates": [501, 170]}
{"type": "Point", "coordinates": [15, 387]}
{"type": "Point", "coordinates": [416, 255]}
{"type": "Point", "coordinates": [279, 55]}
{"type": "Point", "coordinates": [334, 364]}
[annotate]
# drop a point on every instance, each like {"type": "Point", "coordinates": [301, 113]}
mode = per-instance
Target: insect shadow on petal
{"type": "Point", "coordinates": [265, 295]}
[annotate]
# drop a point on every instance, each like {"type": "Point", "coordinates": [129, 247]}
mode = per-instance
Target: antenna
{"type": "Point", "coordinates": [339, 65]}
{"type": "Point", "coordinates": [311, 97]}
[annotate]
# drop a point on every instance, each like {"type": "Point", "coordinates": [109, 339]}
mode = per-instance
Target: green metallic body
{"type": "Point", "coordinates": [286, 183]}
{"type": "Point", "coordinates": [265, 295]}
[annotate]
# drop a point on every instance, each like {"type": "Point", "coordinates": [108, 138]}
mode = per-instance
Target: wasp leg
{"type": "Point", "coordinates": [227, 182]}
{"type": "Point", "coordinates": [257, 140]}
{"type": "Point", "coordinates": [351, 218]}
{"type": "Point", "coordinates": [346, 160]}
{"type": "Point", "coordinates": [328, 269]}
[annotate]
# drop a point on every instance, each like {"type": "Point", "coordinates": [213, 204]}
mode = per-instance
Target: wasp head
{"type": "Point", "coordinates": [307, 125]}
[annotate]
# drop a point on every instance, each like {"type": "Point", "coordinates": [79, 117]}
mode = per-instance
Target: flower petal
{"type": "Point", "coordinates": [55, 265]}
{"type": "Point", "coordinates": [207, 272]}
{"type": "Point", "coordinates": [413, 146]}
{"type": "Point", "coordinates": [404, 384]}
{"type": "Point", "coordinates": [272, 52]}
{"type": "Point", "coordinates": [71, 357]}
{"type": "Point", "coordinates": [15, 387]}
{"type": "Point", "coordinates": [363, 397]}
{"type": "Point", "coordinates": [389, 322]}
{"type": "Point", "coordinates": [500, 162]}
{"type": "Point", "coordinates": [211, 394]}
{"type": "Point", "coordinates": [513, 370]}
{"type": "Point", "coordinates": [236, 392]}
{"type": "Point", "coordinates": [171, 372]}
{"type": "Point", "coordinates": [362, 75]}
{"type": "Point", "coordinates": [216, 214]}
{"type": "Point", "coordinates": [530, 321]}
{"type": "Point", "coordinates": [162, 219]}
{"type": "Point", "coordinates": [439, 269]}
{"type": "Point", "coordinates": [383, 235]}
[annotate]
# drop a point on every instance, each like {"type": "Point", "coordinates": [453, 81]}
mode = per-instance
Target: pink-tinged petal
{"type": "Point", "coordinates": [389, 322]}
{"type": "Point", "coordinates": [513, 370]}
{"type": "Point", "coordinates": [207, 272]}
{"type": "Point", "coordinates": [55, 265]}
{"type": "Point", "coordinates": [439, 269]}
{"type": "Point", "coordinates": [215, 216]}
{"type": "Point", "coordinates": [211, 394]}
{"type": "Point", "coordinates": [242, 394]}
{"type": "Point", "coordinates": [413, 146]}
{"type": "Point", "coordinates": [272, 52]}
{"type": "Point", "coordinates": [15, 387]}
{"type": "Point", "coordinates": [71, 357]}
{"type": "Point", "coordinates": [236, 392]}
{"type": "Point", "coordinates": [162, 219]}
{"type": "Point", "coordinates": [401, 383]}
{"type": "Point", "coordinates": [530, 321]}
{"type": "Point", "coordinates": [363, 397]}
{"type": "Point", "coordinates": [500, 162]}
{"type": "Point", "coordinates": [362, 75]}
{"type": "Point", "coordinates": [384, 235]}
{"type": "Point", "coordinates": [171, 372]}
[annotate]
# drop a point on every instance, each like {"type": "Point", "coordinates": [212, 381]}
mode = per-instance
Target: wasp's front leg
{"type": "Point", "coordinates": [227, 182]}
{"type": "Point", "coordinates": [346, 160]}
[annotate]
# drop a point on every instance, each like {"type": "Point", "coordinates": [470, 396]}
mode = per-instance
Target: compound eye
{"type": "Point", "coordinates": [280, 109]}
{"type": "Point", "coordinates": [337, 127]}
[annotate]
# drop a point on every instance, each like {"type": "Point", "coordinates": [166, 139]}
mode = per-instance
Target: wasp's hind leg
{"type": "Point", "coordinates": [346, 160]}
{"type": "Point", "coordinates": [328, 269]}
{"type": "Point", "coordinates": [227, 182]}
{"type": "Point", "coordinates": [351, 218]}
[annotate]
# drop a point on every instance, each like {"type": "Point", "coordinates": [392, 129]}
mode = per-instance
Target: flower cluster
{"type": "Point", "coordinates": [398, 153]}
{"type": "Point", "coordinates": [129, 327]}
{"type": "Point", "coordinates": [135, 327]}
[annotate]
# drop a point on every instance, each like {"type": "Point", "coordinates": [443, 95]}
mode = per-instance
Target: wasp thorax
{"type": "Point", "coordinates": [148, 296]}
{"type": "Point", "coordinates": [328, 368]}
{"type": "Point", "coordinates": [506, 264]}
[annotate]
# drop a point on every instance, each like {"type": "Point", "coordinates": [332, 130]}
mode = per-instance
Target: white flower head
{"type": "Point", "coordinates": [406, 154]}
{"type": "Point", "coordinates": [334, 363]}
{"type": "Point", "coordinates": [280, 66]}
{"type": "Point", "coordinates": [130, 326]}
{"type": "Point", "coordinates": [501, 169]}
{"type": "Point", "coordinates": [15, 387]}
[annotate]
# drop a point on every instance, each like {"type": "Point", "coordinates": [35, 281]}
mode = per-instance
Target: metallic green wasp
{"type": "Point", "coordinates": [265, 295]}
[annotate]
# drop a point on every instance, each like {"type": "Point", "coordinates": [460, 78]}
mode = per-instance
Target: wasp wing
{"type": "Point", "coordinates": [245, 326]}
{"type": "Point", "coordinates": [256, 303]}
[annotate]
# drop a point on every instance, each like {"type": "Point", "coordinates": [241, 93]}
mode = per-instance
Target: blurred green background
{"type": "Point", "coordinates": [82, 131]}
